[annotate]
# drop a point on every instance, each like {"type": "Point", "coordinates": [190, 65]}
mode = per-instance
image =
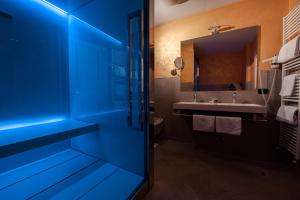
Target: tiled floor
{"type": "Point", "coordinates": [185, 173]}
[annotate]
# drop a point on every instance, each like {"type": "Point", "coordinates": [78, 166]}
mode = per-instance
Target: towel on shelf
{"type": "Point", "coordinates": [288, 114]}
{"type": "Point", "coordinates": [229, 125]}
{"type": "Point", "coordinates": [204, 123]}
{"type": "Point", "coordinates": [288, 84]}
{"type": "Point", "coordinates": [289, 50]}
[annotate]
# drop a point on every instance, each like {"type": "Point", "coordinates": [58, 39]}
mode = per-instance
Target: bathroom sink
{"type": "Point", "coordinates": [223, 107]}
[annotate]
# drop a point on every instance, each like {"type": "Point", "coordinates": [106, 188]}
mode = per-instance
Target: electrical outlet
{"type": "Point", "coordinates": [263, 91]}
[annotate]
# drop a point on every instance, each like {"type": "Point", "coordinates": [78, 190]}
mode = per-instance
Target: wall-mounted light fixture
{"type": "Point", "coordinates": [179, 66]}
{"type": "Point", "coordinates": [220, 28]}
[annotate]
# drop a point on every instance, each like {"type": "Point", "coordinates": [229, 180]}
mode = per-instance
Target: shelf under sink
{"type": "Point", "coordinates": [221, 107]}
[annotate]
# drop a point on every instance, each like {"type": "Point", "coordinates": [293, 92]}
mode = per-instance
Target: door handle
{"type": "Point", "coordinates": [136, 70]}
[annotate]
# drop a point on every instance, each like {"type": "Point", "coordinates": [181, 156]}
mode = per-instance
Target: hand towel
{"type": "Point", "coordinates": [204, 123]}
{"type": "Point", "coordinates": [288, 114]}
{"type": "Point", "coordinates": [229, 125]}
{"type": "Point", "coordinates": [288, 84]}
{"type": "Point", "coordinates": [288, 51]}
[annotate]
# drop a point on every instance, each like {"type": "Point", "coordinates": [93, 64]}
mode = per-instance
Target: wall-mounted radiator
{"type": "Point", "coordinates": [290, 134]}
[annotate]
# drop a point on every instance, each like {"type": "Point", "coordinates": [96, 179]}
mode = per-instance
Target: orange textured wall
{"type": "Point", "coordinates": [222, 68]}
{"type": "Point", "coordinates": [265, 13]}
{"type": "Point", "coordinates": [293, 3]}
{"type": "Point", "coordinates": [251, 52]}
{"type": "Point", "coordinates": [187, 53]}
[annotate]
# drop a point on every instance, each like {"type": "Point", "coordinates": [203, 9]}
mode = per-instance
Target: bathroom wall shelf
{"type": "Point", "coordinates": [19, 139]}
{"type": "Point", "coordinates": [68, 175]}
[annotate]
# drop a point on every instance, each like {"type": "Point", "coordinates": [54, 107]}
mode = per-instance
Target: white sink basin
{"type": "Point", "coordinates": [223, 107]}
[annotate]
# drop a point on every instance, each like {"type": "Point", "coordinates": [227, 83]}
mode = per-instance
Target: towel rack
{"type": "Point", "coordinates": [290, 134]}
{"type": "Point", "coordinates": [183, 115]}
{"type": "Point", "coordinates": [254, 119]}
{"type": "Point", "coordinates": [291, 24]}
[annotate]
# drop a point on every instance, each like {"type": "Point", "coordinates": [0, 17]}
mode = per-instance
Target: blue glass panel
{"type": "Point", "coordinates": [99, 82]}
{"type": "Point", "coordinates": [98, 70]}
{"type": "Point", "coordinates": [33, 59]}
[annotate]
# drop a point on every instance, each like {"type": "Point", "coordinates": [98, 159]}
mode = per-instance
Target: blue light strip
{"type": "Point", "coordinates": [64, 13]}
{"type": "Point", "coordinates": [108, 112]}
{"type": "Point", "coordinates": [52, 7]}
{"type": "Point", "coordinates": [30, 122]}
{"type": "Point", "coordinates": [108, 37]}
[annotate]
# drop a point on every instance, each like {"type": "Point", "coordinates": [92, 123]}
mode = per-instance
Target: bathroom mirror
{"type": "Point", "coordinates": [221, 62]}
{"type": "Point", "coordinates": [178, 62]}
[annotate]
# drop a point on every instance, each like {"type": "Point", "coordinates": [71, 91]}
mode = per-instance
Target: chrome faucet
{"type": "Point", "coordinates": [195, 96]}
{"type": "Point", "coordinates": [234, 97]}
{"type": "Point", "coordinates": [214, 100]}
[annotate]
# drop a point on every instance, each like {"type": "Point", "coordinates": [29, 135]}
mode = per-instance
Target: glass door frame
{"type": "Point", "coordinates": [148, 139]}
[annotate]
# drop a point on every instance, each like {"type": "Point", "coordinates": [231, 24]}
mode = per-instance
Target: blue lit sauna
{"type": "Point", "coordinates": [74, 99]}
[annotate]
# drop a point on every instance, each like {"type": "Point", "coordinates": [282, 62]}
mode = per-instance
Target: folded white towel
{"type": "Point", "coordinates": [204, 123]}
{"type": "Point", "coordinates": [229, 125]}
{"type": "Point", "coordinates": [288, 114]}
{"type": "Point", "coordinates": [288, 84]}
{"type": "Point", "coordinates": [288, 51]}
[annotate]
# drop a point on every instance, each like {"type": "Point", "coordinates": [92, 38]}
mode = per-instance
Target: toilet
{"type": "Point", "coordinates": [157, 123]}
